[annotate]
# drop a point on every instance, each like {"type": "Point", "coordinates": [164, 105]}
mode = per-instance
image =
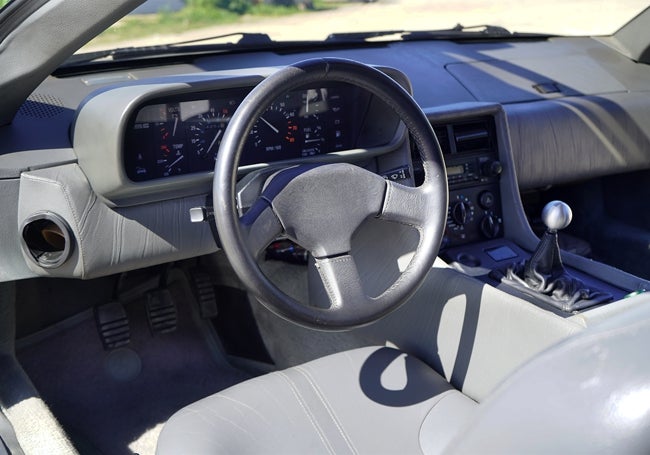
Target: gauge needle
{"type": "Point", "coordinates": [269, 125]}
{"type": "Point", "coordinates": [175, 125]}
{"type": "Point", "coordinates": [177, 160]}
{"type": "Point", "coordinates": [216, 136]}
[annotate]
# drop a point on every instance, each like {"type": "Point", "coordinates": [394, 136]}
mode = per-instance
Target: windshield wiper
{"type": "Point", "coordinates": [457, 32]}
{"type": "Point", "coordinates": [247, 40]}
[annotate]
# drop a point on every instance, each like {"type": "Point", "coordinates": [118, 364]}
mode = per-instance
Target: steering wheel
{"type": "Point", "coordinates": [320, 206]}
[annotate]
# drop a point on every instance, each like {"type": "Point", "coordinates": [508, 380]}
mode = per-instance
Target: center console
{"type": "Point", "coordinates": [488, 237]}
{"type": "Point", "coordinates": [473, 171]}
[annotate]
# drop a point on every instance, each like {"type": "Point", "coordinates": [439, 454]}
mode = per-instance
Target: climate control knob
{"type": "Point", "coordinates": [490, 226]}
{"type": "Point", "coordinates": [486, 200]}
{"type": "Point", "coordinates": [461, 212]}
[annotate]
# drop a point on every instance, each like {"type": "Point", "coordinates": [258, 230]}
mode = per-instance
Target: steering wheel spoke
{"type": "Point", "coordinates": [340, 278]}
{"type": "Point", "coordinates": [260, 231]}
{"type": "Point", "coordinates": [407, 205]}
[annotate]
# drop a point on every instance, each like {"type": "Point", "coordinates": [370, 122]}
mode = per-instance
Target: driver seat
{"type": "Point", "coordinates": [589, 393]}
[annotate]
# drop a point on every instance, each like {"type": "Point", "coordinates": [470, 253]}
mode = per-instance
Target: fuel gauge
{"type": "Point", "coordinates": [313, 138]}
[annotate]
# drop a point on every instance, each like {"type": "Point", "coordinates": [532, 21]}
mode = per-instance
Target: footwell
{"type": "Point", "coordinates": [115, 401]}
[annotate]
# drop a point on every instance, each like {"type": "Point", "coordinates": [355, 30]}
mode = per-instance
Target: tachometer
{"type": "Point", "coordinates": [275, 130]}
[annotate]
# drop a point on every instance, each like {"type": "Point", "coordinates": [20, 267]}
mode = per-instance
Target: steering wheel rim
{"type": "Point", "coordinates": [423, 208]}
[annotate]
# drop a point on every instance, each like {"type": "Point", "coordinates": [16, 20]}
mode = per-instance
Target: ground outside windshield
{"type": "Point", "coordinates": [166, 21]}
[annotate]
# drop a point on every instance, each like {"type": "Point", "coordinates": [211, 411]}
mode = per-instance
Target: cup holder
{"type": "Point", "coordinates": [47, 238]}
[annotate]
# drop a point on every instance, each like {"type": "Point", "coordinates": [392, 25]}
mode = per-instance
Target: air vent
{"type": "Point", "coordinates": [472, 137]}
{"type": "Point", "coordinates": [41, 106]}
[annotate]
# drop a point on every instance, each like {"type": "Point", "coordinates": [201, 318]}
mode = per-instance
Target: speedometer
{"type": "Point", "coordinates": [205, 132]}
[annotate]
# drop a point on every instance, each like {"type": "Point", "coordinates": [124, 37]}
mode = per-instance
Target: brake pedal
{"type": "Point", "coordinates": [112, 325]}
{"type": "Point", "coordinates": [161, 312]}
{"type": "Point", "coordinates": [205, 295]}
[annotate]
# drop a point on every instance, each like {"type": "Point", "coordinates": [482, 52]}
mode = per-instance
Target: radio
{"type": "Point", "coordinates": [475, 170]}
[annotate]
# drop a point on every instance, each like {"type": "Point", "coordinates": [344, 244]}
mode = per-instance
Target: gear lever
{"type": "Point", "coordinates": [556, 215]}
{"type": "Point", "coordinates": [544, 276]}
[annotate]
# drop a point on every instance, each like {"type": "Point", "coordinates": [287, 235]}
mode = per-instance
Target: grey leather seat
{"type": "Point", "coordinates": [368, 400]}
{"type": "Point", "coordinates": [590, 394]}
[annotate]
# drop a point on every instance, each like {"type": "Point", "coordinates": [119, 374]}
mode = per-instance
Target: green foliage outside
{"type": "Point", "coordinates": [204, 13]}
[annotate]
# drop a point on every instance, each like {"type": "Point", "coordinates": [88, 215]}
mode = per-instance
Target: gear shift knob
{"type": "Point", "coordinates": [556, 215]}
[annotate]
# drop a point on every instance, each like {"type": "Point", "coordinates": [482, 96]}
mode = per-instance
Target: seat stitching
{"type": "Point", "coordinates": [312, 417]}
{"type": "Point", "coordinates": [328, 408]}
{"type": "Point", "coordinates": [244, 405]}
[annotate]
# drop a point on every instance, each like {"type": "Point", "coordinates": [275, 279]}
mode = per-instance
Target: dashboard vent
{"type": "Point", "coordinates": [41, 106]}
{"type": "Point", "coordinates": [472, 137]}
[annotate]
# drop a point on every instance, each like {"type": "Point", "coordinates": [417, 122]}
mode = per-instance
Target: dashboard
{"type": "Point", "coordinates": [120, 152]}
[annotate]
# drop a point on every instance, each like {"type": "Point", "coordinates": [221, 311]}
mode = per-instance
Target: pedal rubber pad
{"type": "Point", "coordinates": [161, 311]}
{"type": "Point", "coordinates": [112, 325]}
{"type": "Point", "coordinates": [205, 295]}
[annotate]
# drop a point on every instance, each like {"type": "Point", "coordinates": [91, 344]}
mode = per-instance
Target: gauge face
{"type": "Point", "coordinates": [206, 131]}
{"type": "Point", "coordinates": [275, 131]}
{"type": "Point", "coordinates": [312, 136]}
{"type": "Point", "coordinates": [170, 157]}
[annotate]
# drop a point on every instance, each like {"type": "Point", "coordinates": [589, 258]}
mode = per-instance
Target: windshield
{"type": "Point", "coordinates": [168, 21]}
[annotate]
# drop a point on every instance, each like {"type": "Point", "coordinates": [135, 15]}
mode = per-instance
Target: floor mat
{"type": "Point", "coordinates": [106, 413]}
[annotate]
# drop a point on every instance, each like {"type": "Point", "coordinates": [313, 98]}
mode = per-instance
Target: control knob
{"type": "Point", "coordinates": [490, 226]}
{"type": "Point", "coordinates": [486, 200]}
{"type": "Point", "coordinates": [492, 168]}
{"type": "Point", "coordinates": [460, 212]}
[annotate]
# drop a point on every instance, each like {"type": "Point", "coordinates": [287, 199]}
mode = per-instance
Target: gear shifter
{"type": "Point", "coordinates": [556, 216]}
{"type": "Point", "coordinates": [544, 276]}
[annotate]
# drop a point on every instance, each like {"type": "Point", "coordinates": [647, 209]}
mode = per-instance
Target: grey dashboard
{"type": "Point", "coordinates": [565, 109]}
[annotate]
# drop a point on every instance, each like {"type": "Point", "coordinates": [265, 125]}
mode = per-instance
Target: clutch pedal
{"type": "Point", "coordinates": [112, 325]}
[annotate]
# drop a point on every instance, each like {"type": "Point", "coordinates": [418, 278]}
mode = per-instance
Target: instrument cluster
{"type": "Point", "coordinates": [181, 134]}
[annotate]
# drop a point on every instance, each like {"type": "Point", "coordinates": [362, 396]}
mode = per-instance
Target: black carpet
{"type": "Point", "coordinates": [105, 415]}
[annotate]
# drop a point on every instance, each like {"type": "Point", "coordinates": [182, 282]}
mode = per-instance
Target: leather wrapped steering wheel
{"type": "Point", "coordinates": [319, 206]}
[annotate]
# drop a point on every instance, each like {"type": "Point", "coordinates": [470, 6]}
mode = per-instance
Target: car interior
{"type": "Point", "coordinates": [435, 243]}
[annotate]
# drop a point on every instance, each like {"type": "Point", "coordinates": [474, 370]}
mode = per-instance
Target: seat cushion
{"type": "Point", "coordinates": [368, 400]}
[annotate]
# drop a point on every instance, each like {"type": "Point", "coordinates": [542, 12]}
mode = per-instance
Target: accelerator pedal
{"type": "Point", "coordinates": [161, 311]}
{"type": "Point", "coordinates": [112, 325]}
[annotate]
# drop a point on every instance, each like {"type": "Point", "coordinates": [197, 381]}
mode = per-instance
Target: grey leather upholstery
{"type": "Point", "coordinates": [587, 394]}
{"type": "Point", "coordinates": [368, 400]}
